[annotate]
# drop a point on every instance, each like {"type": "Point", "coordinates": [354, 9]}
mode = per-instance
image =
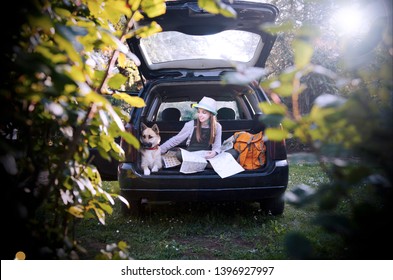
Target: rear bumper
{"type": "Point", "coordinates": [204, 186]}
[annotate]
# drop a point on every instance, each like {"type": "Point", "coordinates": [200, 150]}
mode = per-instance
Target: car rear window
{"type": "Point", "coordinates": [182, 50]}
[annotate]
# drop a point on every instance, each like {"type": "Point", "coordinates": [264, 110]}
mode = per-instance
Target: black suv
{"type": "Point", "coordinates": [181, 65]}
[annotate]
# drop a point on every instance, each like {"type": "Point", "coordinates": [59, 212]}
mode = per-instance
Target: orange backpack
{"type": "Point", "coordinates": [251, 149]}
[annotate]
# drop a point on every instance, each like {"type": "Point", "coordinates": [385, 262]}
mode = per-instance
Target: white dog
{"type": "Point", "coordinates": [151, 151]}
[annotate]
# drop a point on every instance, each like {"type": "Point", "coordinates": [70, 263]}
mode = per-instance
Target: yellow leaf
{"type": "Point", "coordinates": [217, 7]}
{"type": "Point", "coordinates": [135, 5]}
{"type": "Point", "coordinates": [76, 73]}
{"type": "Point", "coordinates": [122, 245]}
{"type": "Point", "coordinates": [122, 60]}
{"type": "Point", "coordinates": [137, 16]}
{"type": "Point", "coordinates": [76, 211]}
{"type": "Point", "coordinates": [55, 58]}
{"type": "Point", "coordinates": [42, 22]}
{"type": "Point", "coordinates": [100, 215]}
{"type": "Point", "coordinates": [151, 29]}
{"type": "Point", "coordinates": [65, 45]}
{"type": "Point", "coordinates": [210, 6]}
{"type": "Point", "coordinates": [114, 10]}
{"type": "Point", "coordinates": [153, 8]}
{"type": "Point", "coordinates": [63, 12]}
{"type": "Point", "coordinates": [96, 98]}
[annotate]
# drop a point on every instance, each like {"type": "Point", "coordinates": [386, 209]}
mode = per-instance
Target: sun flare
{"type": "Point", "coordinates": [349, 21]}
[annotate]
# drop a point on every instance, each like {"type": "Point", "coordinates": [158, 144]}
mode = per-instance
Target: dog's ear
{"type": "Point", "coordinates": [155, 128]}
{"type": "Point", "coordinates": [143, 126]}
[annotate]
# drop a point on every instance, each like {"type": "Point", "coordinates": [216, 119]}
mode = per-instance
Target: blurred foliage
{"type": "Point", "coordinates": [119, 251]}
{"type": "Point", "coordinates": [348, 125]}
{"type": "Point", "coordinates": [60, 75]}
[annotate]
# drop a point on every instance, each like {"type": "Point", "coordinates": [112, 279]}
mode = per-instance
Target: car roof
{"type": "Point", "coordinates": [193, 39]}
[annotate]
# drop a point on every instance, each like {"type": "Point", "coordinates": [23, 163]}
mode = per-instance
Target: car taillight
{"type": "Point", "coordinates": [129, 150]}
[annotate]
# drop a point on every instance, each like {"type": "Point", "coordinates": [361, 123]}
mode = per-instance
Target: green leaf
{"type": "Point", "coordinates": [303, 52]}
{"type": "Point", "coordinates": [117, 81]}
{"type": "Point", "coordinates": [93, 139]}
{"type": "Point", "coordinates": [64, 44]}
{"type": "Point", "coordinates": [105, 142]}
{"type": "Point", "coordinates": [116, 148]}
{"type": "Point", "coordinates": [134, 101]}
{"type": "Point", "coordinates": [273, 108]}
{"type": "Point", "coordinates": [276, 134]}
{"type": "Point", "coordinates": [284, 89]}
{"type": "Point", "coordinates": [289, 124]}
{"type": "Point", "coordinates": [106, 207]}
{"type": "Point", "coordinates": [275, 29]}
{"type": "Point", "coordinates": [103, 153]}
{"type": "Point", "coordinates": [131, 139]}
{"type": "Point", "coordinates": [288, 75]}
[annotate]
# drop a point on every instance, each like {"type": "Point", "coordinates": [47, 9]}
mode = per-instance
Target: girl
{"type": "Point", "coordinates": [204, 133]}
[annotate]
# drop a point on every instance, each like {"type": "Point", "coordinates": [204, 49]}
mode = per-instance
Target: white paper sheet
{"type": "Point", "coordinates": [225, 165]}
{"type": "Point", "coordinates": [193, 161]}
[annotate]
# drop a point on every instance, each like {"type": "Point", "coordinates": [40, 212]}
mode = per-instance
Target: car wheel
{"type": "Point", "coordinates": [274, 206]}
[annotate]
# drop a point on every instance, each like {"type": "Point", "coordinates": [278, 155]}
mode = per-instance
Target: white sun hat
{"type": "Point", "coordinates": [207, 103]}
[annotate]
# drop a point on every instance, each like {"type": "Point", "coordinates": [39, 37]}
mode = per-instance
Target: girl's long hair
{"type": "Point", "coordinates": [213, 124]}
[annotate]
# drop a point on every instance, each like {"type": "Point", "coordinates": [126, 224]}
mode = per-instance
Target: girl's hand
{"type": "Point", "coordinates": [210, 154]}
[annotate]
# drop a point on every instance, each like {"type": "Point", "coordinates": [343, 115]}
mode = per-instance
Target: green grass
{"type": "Point", "coordinates": [209, 230]}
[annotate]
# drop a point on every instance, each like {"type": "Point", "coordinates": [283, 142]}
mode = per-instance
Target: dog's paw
{"type": "Point", "coordinates": [154, 169]}
{"type": "Point", "coordinates": [146, 171]}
